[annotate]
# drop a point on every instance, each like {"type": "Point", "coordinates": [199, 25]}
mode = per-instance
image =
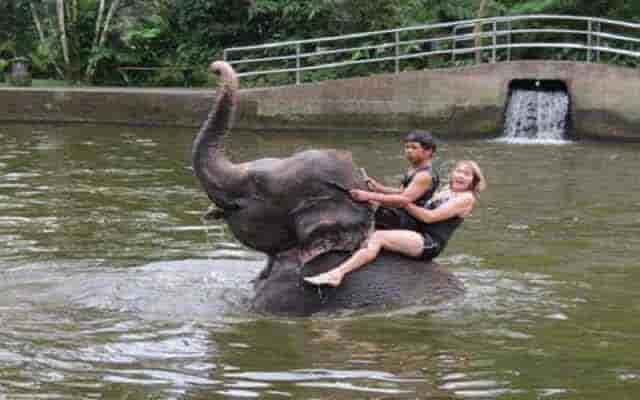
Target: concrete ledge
{"type": "Point", "coordinates": [456, 102]}
{"type": "Point", "coordinates": [105, 105]}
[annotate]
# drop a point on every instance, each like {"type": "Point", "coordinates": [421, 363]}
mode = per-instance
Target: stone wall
{"type": "Point", "coordinates": [455, 102]}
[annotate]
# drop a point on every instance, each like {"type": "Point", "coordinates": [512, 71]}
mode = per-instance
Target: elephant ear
{"type": "Point", "coordinates": [331, 222]}
{"type": "Point", "coordinates": [330, 219]}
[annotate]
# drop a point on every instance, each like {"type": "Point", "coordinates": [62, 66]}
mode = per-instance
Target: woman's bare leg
{"type": "Point", "coordinates": [400, 241]}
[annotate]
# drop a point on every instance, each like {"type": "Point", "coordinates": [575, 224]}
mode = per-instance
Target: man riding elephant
{"type": "Point", "coordinates": [418, 185]}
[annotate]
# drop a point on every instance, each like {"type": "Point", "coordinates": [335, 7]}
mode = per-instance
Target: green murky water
{"type": "Point", "coordinates": [110, 287]}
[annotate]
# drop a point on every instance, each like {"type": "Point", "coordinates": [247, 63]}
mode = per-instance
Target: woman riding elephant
{"type": "Point", "coordinates": [439, 218]}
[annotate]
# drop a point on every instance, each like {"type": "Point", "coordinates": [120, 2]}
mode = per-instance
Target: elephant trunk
{"type": "Point", "coordinates": [219, 177]}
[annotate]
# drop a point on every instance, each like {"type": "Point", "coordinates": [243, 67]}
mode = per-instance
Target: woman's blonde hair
{"type": "Point", "coordinates": [479, 183]}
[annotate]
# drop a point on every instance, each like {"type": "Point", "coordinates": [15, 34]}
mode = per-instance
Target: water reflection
{"type": "Point", "coordinates": [113, 288]}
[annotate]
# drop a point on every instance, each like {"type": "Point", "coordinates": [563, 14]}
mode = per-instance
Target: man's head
{"type": "Point", "coordinates": [424, 138]}
{"type": "Point", "coordinates": [419, 146]}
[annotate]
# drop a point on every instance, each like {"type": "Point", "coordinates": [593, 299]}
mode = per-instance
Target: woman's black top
{"type": "Point", "coordinates": [440, 231]}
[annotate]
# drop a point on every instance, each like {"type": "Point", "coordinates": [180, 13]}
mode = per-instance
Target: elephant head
{"type": "Point", "coordinates": [298, 204]}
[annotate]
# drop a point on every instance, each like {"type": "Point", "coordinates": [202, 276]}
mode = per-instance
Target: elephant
{"type": "Point", "coordinates": [298, 211]}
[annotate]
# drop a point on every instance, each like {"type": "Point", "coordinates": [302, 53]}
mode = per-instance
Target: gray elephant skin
{"type": "Point", "coordinates": [298, 211]}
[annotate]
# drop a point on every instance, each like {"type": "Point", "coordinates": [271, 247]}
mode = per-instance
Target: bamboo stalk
{"type": "Point", "coordinates": [105, 30]}
{"type": "Point", "coordinates": [63, 31]}
{"type": "Point", "coordinates": [36, 20]}
{"type": "Point", "coordinates": [98, 25]}
{"type": "Point", "coordinates": [88, 74]}
{"type": "Point", "coordinates": [67, 11]}
{"type": "Point", "coordinates": [91, 68]}
{"type": "Point", "coordinates": [43, 39]}
{"type": "Point", "coordinates": [477, 30]}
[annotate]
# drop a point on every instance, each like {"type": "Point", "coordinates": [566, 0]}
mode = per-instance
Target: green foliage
{"type": "Point", "coordinates": [16, 37]}
{"type": "Point", "coordinates": [177, 39]}
{"type": "Point", "coordinates": [3, 65]}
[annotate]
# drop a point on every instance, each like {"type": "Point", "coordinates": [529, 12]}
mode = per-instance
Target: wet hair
{"type": "Point", "coordinates": [425, 138]}
{"type": "Point", "coordinates": [479, 182]}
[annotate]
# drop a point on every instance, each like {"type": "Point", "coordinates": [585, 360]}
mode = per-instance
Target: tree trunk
{"type": "Point", "coordinates": [75, 11]}
{"type": "Point", "coordinates": [63, 35]}
{"type": "Point", "coordinates": [477, 30]}
{"type": "Point", "coordinates": [107, 21]}
{"type": "Point", "coordinates": [88, 74]}
{"type": "Point", "coordinates": [43, 40]}
{"type": "Point", "coordinates": [100, 33]}
{"type": "Point", "coordinates": [98, 24]}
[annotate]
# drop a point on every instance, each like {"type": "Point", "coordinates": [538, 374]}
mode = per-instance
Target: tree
{"type": "Point", "coordinates": [477, 30]}
{"type": "Point", "coordinates": [15, 34]}
{"type": "Point", "coordinates": [63, 35]}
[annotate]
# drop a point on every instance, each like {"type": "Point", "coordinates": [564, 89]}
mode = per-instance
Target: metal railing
{"type": "Point", "coordinates": [445, 44]}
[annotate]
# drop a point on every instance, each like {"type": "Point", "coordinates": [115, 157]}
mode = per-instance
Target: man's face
{"type": "Point", "coordinates": [415, 153]}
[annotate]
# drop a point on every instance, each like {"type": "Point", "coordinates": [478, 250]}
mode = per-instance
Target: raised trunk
{"type": "Point", "coordinates": [220, 178]}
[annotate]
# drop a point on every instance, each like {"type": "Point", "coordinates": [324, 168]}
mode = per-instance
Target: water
{"type": "Point", "coordinates": [536, 115]}
{"type": "Point", "coordinates": [112, 288]}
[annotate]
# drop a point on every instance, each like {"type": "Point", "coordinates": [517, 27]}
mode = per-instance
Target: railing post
{"type": "Point", "coordinates": [494, 40]}
{"type": "Point", "coordinates": [298, 63]}
{"type": "Point", "coordinates": [454, 45]}
{"type": "Point", "coordinates": [598, 30]}
{"type": "Point", "coordinates": [397, 37]}
{"type": "Point", "coordinates": [224, 55]}
{"type": "Point", "coordinates": [589, 28]}
{"type": "Point", "coordinates": [509, 41]}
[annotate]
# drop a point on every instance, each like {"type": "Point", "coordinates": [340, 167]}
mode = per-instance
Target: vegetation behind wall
{"type": "Point", "coordinates": [170, 42]}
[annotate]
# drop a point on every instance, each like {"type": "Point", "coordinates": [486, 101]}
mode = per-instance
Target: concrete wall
{"type": "Point", "coordinates": [454, 102]}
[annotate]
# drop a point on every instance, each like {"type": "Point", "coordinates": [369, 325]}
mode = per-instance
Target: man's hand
{"type": "Point", "coordinates": [373, 185]}
{"type": "Point", "coordinates": [360, 195]}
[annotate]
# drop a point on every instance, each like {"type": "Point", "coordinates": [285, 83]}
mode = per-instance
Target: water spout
{"type": "Point", "coordinates": [537, 112]}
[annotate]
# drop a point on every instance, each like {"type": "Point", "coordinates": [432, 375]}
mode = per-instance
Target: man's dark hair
{"type": "Point", "coordinates": [423, 137]}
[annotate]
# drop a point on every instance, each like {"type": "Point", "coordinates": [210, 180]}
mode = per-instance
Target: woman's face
{"type": "Point", "coordinates": [461, 178]}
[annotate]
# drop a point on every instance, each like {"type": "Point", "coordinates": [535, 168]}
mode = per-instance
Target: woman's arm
{"type": "Point", "coordinates": [460, 206]}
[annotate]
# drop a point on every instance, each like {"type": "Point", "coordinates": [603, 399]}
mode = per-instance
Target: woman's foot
{"type": "Point", "coordinates": [327, 278]}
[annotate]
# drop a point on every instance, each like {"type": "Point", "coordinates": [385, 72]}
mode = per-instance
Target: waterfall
{"type": "Point", "coordinates": [537, 114]}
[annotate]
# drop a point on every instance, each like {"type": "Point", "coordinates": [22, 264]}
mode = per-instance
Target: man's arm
{"type": "Point", "coordinates": [418, 187]}
{"type": "Point", "coordinates": [377, 187]}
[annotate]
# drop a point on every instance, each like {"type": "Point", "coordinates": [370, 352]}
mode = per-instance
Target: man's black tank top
{"type": "Point", "coordinates": [398, 218]}
{"type": "Point", "coordinates": [435, 182]}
